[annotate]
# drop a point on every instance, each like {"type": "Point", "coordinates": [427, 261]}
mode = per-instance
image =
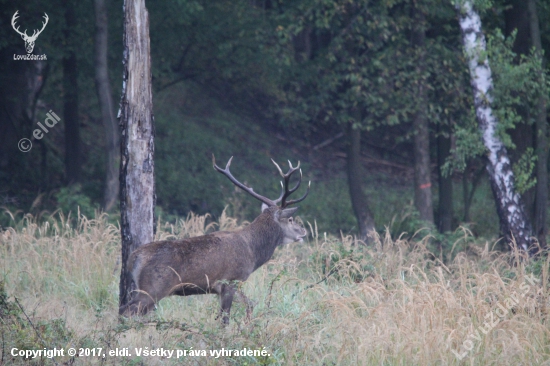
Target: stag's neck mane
{"type": "Point", "coordinates": [265, 235]}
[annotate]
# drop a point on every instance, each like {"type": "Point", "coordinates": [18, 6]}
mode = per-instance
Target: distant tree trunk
{"type": "Point", "coordinates": [468, 193]}
{"type": "Point", "coordinates": [516, 18]}
{"type": "Point", "coordinates": [523, 133]}
{"type": "Point", "coordinates": [302, 45]}
{"type": "Point", "coordinates": [422, 176]}
{"type": "Point", "coordinates": [541, 193]}
{"type": "Point", "coordinates": [70, 98]}
{"type": "Point", "coordinates": [137, 184]}
{"type": "Point", "coordinates": [359, 203]}
{"type": "Point", "coordinates": [513, 220]}
{"type": "Point", "coordinates": [445, 220]}
{"type": "Point", "coordinates": [21, 84]}
{"type": "Point", "coordinates": [110, 124]}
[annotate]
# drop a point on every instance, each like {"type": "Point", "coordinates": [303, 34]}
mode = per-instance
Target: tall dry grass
{"type": "Point", "coordinates": [329, 301]}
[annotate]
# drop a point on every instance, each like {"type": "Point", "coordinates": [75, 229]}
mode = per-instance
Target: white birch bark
{"type": "Point", "coordinates": [513, 220]}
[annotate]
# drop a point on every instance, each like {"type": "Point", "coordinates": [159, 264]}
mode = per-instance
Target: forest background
{"type": "Point", "coordinates": [373, 97]}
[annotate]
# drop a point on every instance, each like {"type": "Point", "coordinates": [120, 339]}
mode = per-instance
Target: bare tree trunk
{"type": "Point", "coordinates": [359, 203]}
{"type": "Point", "coordinates": [445, 220]}
{"type": "Point", "coordinates": [513, 220]}
{"type": "Point", "coordinates": [70, 98]}
{"type": "Point", "coordinates": [422, 176]}
{"type": "Point", "coordinates": [541, 193]}
{"type": "Point", "coordinates": [137, 184]}
{"type": "Point", "coordinates": [103, 87]}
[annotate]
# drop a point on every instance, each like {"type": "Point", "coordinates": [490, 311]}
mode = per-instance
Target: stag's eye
{"type": "Point", "coordinates": [290, 220]}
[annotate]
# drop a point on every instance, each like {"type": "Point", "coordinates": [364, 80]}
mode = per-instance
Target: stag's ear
{"type": "Point", "coordinates": [287, 212]}
{"type": "Point", "coordinates": [264, 207]}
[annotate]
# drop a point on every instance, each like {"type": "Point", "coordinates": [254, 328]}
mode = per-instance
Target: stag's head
{"type": "Point", "coordinates": [277, 209]}
{"type": "Point", "coordinates": [29, 40]}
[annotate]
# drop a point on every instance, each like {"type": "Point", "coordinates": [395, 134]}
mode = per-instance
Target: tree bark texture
{"type": "Point", "coordinates": [422, 178]}
{"type": "Point", "coordinates": [445, 219]}
{"type": "Point", "coordinates": [541, 193]}
{"type": "Point", "coordinates": [110, 124]}
{"type": "Point", "coordinates": [359, 203]}
{"type": "Point", "coordinates": [70, 98]}
{"type": "Point", "coordinates": [137, 185]}
{"type": "Point", "coordinates": [513, 220]}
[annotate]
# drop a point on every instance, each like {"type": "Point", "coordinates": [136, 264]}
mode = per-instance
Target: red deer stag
{"type": "Point", "coordinates": [213, 263]}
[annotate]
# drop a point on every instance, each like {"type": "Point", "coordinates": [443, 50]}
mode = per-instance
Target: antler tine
{"type": "Point", "coordinates": [287, 192]}
{"type": "Point", "coordinates": [282, 193]}
{"type": "Point", "coordinates": [290, 171]}
{"type": "Point", "coordinates": [228, 163]}
{"type": "Point", "coordinates": [249, 190]}
{"type": "Point", "coordinates": [296, 186]}
{"type": "Point", "coordinates": [290, 165]}
{"type": "Point", "coordinates": [301, 198]}
{"type": "Point", "coordinates": [278, 168]}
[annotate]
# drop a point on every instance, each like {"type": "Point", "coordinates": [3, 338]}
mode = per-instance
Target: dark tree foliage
{"type": "Point", "coordinates": [298, 73]}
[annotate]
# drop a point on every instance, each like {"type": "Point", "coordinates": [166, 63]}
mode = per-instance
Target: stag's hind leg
{"type": "Point", "coordinates": [140, 304]}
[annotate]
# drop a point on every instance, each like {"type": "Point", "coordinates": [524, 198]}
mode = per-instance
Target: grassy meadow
{"type": "Point", "coordinates": [327, 301]}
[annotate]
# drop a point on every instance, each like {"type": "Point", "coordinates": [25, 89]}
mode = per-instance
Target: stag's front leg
{"type": "Point", "coordinates": [226, 299]}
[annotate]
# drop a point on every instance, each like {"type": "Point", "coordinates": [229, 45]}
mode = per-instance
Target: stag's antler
{"type": "Point", "coordinates": [228, 174]}
{"type": "Point", "coordinates": [285, 192]}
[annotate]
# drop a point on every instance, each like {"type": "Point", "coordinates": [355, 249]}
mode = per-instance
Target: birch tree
{"type": "Point", "coordinates": [513, 220]}
{"type": "Point", "coordinates": [137, 184]}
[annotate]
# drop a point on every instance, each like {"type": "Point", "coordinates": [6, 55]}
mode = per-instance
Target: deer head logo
{"type": "Point", "coordinates": [29, 41]}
